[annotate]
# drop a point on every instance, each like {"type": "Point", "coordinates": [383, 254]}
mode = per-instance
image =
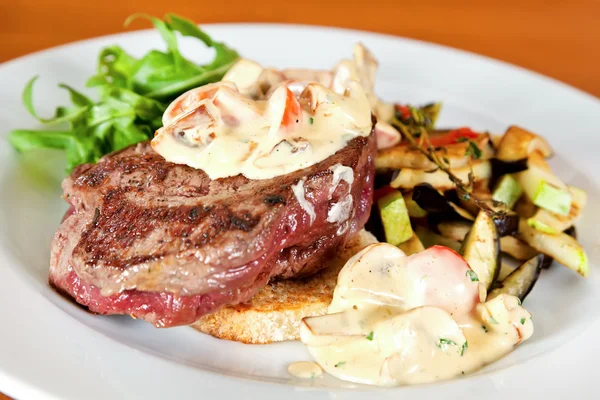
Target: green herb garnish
{"type": "Point", "coordinates": [311, 120]}
{"type": "Point", "coordinates": [370, 336]}
{"type": "Point", "coordinates": [493, 320]}
{"type": "Point", "coordinates": [472, 275]}
{"type": "Point", "coordinates": [485, 329]}
{"type": "Point", "coordinates": [133, 94]}
{"type": "Point", "coordinates": [341, 363]}
{"type": "Point", "coordinates": [473, 150]}
{"type": "Point", "coordinates": [523, 321]}
{"type": "Point", "coordinates": [464, 348]}
{"type": "Point", "coordinates": [445, 342]}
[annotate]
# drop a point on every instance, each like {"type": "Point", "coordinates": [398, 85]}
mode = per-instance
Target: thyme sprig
{"type": "Point", "coordinates": [465, 191]}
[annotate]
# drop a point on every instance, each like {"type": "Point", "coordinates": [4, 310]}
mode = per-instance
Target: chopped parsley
{"type": "Point", "coordinates": [464, 348]}
{"type": "Point", "coordinates": [370, 336]}
{"type": "Point", "coordinates": [485, 329]}
{"type": "Point", "coordinates": [311, 120]}
{"type": "Point", "coordinates": [445, 342]}
{"type": "Point", "coordinates": [472, 275]}
{"type": "Point", "coordinates": [341, 363]}
{"type": "Point", "coordinates": [522, 321]}
{"type": "Point", "coordinates": [493, 320]}
{"type": "Point", "coordinates": [312, 376]}
{"type": "Point", "coordinates": [473, 150]}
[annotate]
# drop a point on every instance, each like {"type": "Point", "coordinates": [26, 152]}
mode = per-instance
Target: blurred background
{"type": "Point", "coordinates": [558, 38]}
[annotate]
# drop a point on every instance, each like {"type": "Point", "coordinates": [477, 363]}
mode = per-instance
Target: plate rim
{"type": "Point", "coordinates": [21, 387]}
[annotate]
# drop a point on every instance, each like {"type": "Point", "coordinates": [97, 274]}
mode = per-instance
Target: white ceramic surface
{"type": "Point", "coordinates": [50, 348]}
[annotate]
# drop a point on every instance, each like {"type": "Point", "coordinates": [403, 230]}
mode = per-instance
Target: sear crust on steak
{"type": "Point", "coordinates": [163, 242]}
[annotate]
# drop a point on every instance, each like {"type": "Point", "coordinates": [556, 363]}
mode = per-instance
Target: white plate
{"type": "Point", "coordinates": [50, 348]}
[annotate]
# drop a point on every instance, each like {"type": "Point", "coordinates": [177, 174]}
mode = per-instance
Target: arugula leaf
{"type": "Point", "coordinates": [133, 94]}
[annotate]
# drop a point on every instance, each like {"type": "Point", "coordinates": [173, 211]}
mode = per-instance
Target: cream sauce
{"type": "Point", "coordinates": [341, 210]}
{"type": "Point", "coordinates": [298, 190]}
{"type": "Point", "coordinates": [220, 130]}
{"type": "Point", "coordinates": [305, 370]}
{"type": "Point", "coordinates": [398, 320]}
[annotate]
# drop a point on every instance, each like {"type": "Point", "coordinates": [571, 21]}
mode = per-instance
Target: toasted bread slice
{"type": "Point", "coordinates": [274, 313]}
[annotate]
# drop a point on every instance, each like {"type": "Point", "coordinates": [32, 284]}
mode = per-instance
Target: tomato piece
{"type": "Point", "coordinates": [452, 137]}
{"type": "Point", "coordinates": [404, 111]}
{"type": "Point", "coordinates": [292, 111]}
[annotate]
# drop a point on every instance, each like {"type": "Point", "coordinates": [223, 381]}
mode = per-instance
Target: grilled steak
{"type": "Point", "coordinates": [163, 242]}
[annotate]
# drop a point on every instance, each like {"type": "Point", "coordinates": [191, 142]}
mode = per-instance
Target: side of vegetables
{"type": "Point", "coordinates": [527, 215]}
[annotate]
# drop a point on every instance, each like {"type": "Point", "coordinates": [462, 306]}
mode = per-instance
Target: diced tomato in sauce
{"type": "Point", "coordinates": [292, 110]}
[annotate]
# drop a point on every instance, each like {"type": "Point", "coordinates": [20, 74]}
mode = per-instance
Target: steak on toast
{"type": "Point", "coordinates": [275, 312]}
{"type": "Point", "coordinates": [165, 243]}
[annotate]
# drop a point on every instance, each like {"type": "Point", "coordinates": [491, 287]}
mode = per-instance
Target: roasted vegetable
{"type": "Point", "coordinates": [414, 210]}
{"type": "Point", "coordinates": [508, 190]}
{"type": "Point", "coordinates": [562, 247]}
{"type": "Point", "coordinates": [394, 218]}
{"type": "Point", "coordinates": [429, 238]}
{"type": "Point", "coordinates": [481, 249]}
{"type": "Point", "coordinates": [525, 207]}
{"type": "Point", "coordinates": [518, 144]}
{"type": "Point", "coordinates": [516, 248]}
{"type": "Point", "coordinates": [412, 245]}
{"type": "Point", "coordinates": [544, 188]}
{"type": "Point", "coordinates": [448, 144]}
{"type": "Point", "coordinates": [520, 282]}
{"type": "Point", "coordinates": [408, 178]}
{"type": "Point", "coordinates": [455, 230]}
{"type": "Point", "coordinates": [436, 205]}
{"type": "Point", "coordinates": [549, 222]}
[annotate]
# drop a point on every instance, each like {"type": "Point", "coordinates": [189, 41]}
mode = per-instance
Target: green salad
{"type": "Point", "coordinates": [133, 94]}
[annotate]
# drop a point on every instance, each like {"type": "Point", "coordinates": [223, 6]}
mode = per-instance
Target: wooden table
{"type": "Point", "coordinates": [557, 38]}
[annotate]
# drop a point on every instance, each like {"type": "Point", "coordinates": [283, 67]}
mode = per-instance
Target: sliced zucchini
{"type": "Point", "coordinates": [549, 222]}
{"type": "Point", "coordinates": [518, 144]}
{"type": "Point", "coordinates": [516, 248]}
{"type": "Point", "coordinates": [429, 238]}
{"type": "Point", "coordinates": [520, 282]}
{"type": "Point", "coordinates": [507, 190]}
{"type": "Point", "coordinates": [408, 178]}
{"type": "Point", "coordinates": [544, 188]}
{"type": "Point", "coordinates": [481, 249]}
{"type": "Point", "coordinates": [562, 247]}
{"type": "Point", "coordinates": [412, 245]}
{"type": "Point", "coordinates": [394, 218]}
